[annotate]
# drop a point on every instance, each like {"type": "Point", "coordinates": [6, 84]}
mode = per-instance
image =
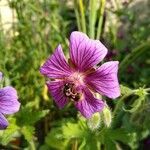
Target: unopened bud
{"type": "Point", "coordinates": [94, 122]}
{"type": "Point", "coordinates": [107, 117]}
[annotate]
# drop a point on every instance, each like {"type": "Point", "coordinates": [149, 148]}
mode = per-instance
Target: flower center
{"type": "Point", "coordinates": [70, 92]}
{"type": "Point", "coordinates": [77, 78]}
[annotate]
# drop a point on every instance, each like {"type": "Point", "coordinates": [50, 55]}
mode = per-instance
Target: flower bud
{"type": "Point", "coordinates": [94, 122]}
{"type": "Point", "coordinates": [107, 117]}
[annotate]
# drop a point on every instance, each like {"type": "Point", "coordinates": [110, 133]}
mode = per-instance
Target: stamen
{"type": "Point", "coordinates": [70, 92]}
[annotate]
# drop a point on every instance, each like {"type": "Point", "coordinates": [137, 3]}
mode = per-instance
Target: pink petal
{"type": "Point", "coordinates": [8, 100]}
{"type": "Point", "coordinates": [56, 65]}
{"type": "Point", "coordinates": [89, 104]}
{"type": "Point", "coordinates": [104, 80]}
{"type": "Point", "coordinates": [3, 122]}
{"type": "Point", "coordinates": [56, 90]}
{"type": "Point", "coordinates": [85, 52]}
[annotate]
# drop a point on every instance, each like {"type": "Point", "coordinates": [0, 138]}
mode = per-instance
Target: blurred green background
{"type": "Point", "coordinates": [30, 30]}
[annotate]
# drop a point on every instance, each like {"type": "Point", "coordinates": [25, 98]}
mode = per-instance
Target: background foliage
{"type": "Point", "coordinates": [36, 29]}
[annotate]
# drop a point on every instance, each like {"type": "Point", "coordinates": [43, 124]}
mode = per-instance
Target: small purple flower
{"type": "Point", "coordinates": [79, 79]}
{"type": "Point", "coordinates": [8, 103]}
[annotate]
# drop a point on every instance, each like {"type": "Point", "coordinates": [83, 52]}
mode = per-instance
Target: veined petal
{"type": "Point", "coordinates": [56, 65]}
{"type": "Point", "coordinates": [89, 104]}
{"type": "Point", "coordinates": [104, 80]}
{"type": "Point", "coordinates": [56, 90]}
{"type": "Point", "coordinates": [3, 122]}
{"type": "Point", "coordinates": [85, 52]}
{"type": "Point", "coordinates": [8, 100]}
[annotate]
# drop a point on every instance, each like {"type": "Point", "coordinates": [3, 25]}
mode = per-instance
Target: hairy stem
{"type": "Point", "coordinates": [120, 102]}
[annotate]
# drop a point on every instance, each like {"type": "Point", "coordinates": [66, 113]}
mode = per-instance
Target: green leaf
{"type": "Point", "coordinates": [82, 145]}
{"type": "Point", "coordinates": [44, 147]}
{"type": "Point", "coordinates": [28, 117]}
{"type": "Point", "coordinates": [110, 144]}
{"type": "Point", "coordinates": [112, 136]}
{"type": "Point", "coordinates": [73, 130]}
{"type": "Point", "coordinates": [64, 135]}
{"type": "Point", "coordinates": [92, 143]}
{"type": "Point", "coordinates": [89, 143]}
{"type": "Point", "coordinates": [119, 135]}
{"type": "Point", "coordinates": [28, 132]}
{"type": "Point", "coordinates": [7, 135]}
{"type": "Point", "coordinates": [56, 140]}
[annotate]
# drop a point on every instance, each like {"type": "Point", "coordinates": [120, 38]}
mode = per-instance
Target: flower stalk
{"type": "Point", "coordinates": [77, 15]}
{"type": "Point", "coordinates": [92, 18]}
{"type": "Point", "coordinates": [120, 102]}
{"type": "Point", "coordinates": [82, 12]}
{"type": "Point", "coordinates": [101, 16]}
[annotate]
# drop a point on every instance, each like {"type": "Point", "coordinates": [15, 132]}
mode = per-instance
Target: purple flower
{"type": "Point", "coordinates": [8, 103]}
{"type": "Point", "coordinates": [80, 79]}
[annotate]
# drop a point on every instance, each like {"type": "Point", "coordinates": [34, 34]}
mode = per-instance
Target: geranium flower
{"type": "Point", "coordinates": [8, 103]}
{"type": "Point", "coordinates": [81, 78]}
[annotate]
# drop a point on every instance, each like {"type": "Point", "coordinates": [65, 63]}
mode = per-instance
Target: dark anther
{"type": "Point", "coordinates": [70, 92]}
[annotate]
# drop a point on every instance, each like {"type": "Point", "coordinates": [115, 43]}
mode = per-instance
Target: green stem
{"type": "Point", "coordinates": [101, 16]}
{"type": "Point", "coordinates": [92, 18]}
{"type": "Point", "coordinates": [77, 15]}
{"type": "Point", "coordinates": [75, 145]}
{"type": "Point", "coordinates": [120, 102]}
{"type": "Point", "coordinates": [32, 145]}
{"type": "Point", "coordinates": [83, 22]}
{"type": "Point", "coordinates": [99, 145]}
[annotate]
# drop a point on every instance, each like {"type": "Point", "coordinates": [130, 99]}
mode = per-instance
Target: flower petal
{"type": "Point", "coordinates": [56, 65]}
{"type": "Point", "coordinates": [56, 90]}
{"type": "Point", "coordinates": [3, 122]}
{"type": "Point", "coordinates": [104, 80]}
{"type": "Point", "coordinates": [89, 104]}
{"type": "Point", "coordinates": [85, 52]}
{"type": "Point", "coordinates": [8, 100]}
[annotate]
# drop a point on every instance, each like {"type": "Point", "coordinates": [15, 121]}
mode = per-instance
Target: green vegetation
{"type": "Point", "coordinates": [39, 27]}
